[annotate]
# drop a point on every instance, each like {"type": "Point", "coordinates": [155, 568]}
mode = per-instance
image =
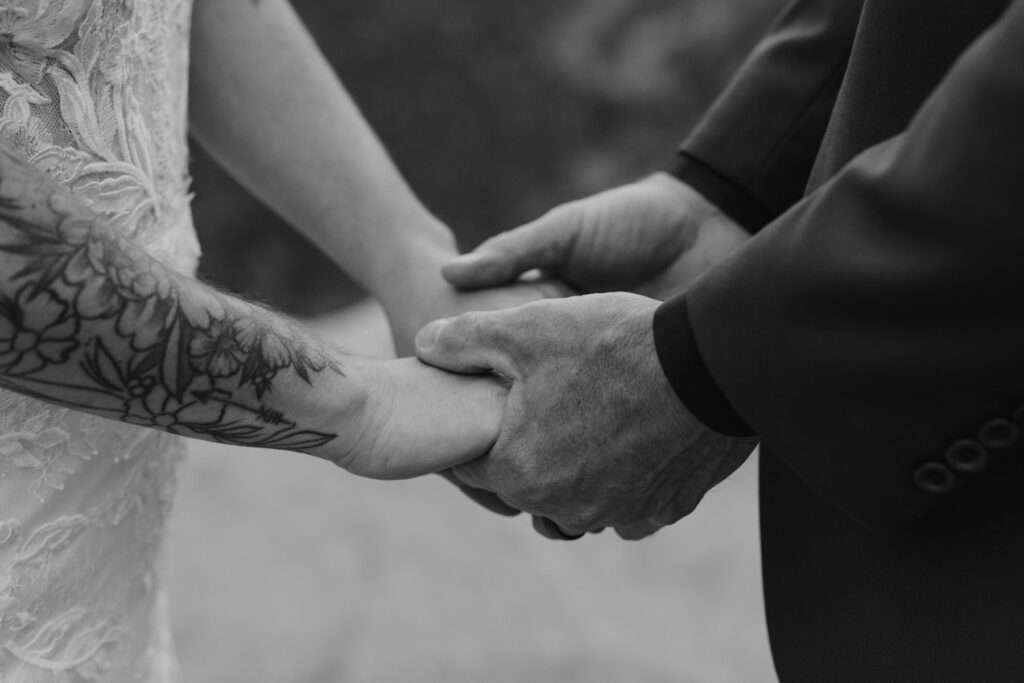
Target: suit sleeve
{"type": "Point", "coordinates": [873, 336]}
{"type": "Point", "coordinates": [753, 151]}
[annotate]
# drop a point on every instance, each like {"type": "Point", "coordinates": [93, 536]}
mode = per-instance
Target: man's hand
{"type": "Point", "coordinates": [430, 298]}
{"type": "Point", "coordinates": [426, 296]}
{"type": "Point", "coordinates": [593, 434]}
{"type": "Point", "coordinates": [653, 237]}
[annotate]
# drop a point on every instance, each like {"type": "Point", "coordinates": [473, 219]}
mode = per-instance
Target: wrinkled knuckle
{"type": "Point", "coordinates": [531, 497]}
{"type": "Point", "coordinates": [669, 517]}
{"type": "Point", "coordinates": [460, 331]}
{"type": "Point", "coordinates": [496, 329]}
{"type": "Point", "coordinates": [681, 508]}
{"type": "Point", "coordinates": [637, 532]}
{"type": "Point", "coordinates": [626, 515]}
{"type": "Point", "coordinates": [586, 517]}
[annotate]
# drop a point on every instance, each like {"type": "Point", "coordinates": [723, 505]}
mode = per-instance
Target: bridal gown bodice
{"type": "Point", "coordinates": [94, 92]}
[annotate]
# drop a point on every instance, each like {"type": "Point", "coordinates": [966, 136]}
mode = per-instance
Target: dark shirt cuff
{"type": "Point", "coordinates": [724, 193]}
{"type": "Point", "coordinates": [686, 372]}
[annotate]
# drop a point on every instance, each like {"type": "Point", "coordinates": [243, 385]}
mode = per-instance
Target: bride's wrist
{"type": "Point", "coordinates": [387, 249]}
{"type": "Point", "coordinates": [415, 276]}
{"type": "Point", "coordinates": [354, 411]}
{"type": "Point", "coordinates": [413, 419]}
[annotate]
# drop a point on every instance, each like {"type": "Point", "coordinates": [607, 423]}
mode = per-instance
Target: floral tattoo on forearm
{"type": "Point", "coordinates": [148, 346]}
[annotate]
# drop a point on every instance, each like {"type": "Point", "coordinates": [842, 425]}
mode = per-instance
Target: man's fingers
{"type": "Point", "coordinates": [475, 473]}
{"type": "Point", "coordinates": [483, 498]}
{"type": "Point", "coordinates": [549, 529]}
{"type": "Point", "coordinates": [638, 531]}
{"type": "Point", "coordinates": [470, 343]}
{"type": "Point", "coordinates": [545, 243]}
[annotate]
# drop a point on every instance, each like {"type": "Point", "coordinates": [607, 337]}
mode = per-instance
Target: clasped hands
{"type": "Point", "coordinates": [593, 435]}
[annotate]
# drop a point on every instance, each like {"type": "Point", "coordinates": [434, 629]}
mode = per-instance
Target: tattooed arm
{"type": "Point", "coordinates": [90, 321]}
{"type": "Point", "coordinates": [267, 105]}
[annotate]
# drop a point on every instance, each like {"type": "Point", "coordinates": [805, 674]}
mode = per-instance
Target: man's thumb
{"type": "Point", "coordinates": [506, 256]}
{"type": "Point", "coordinates": [464, 344]}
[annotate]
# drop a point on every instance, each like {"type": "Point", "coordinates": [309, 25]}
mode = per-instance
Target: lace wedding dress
{"type": "Point", "coordinates": [94, 92]}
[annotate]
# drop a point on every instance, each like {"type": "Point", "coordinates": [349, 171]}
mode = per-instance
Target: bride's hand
{"type": "Point", "coordinates": [423, 295]}
{"type": "Point", "coordinates": [426, 296]}
{"type": "Point", "coordinates": [417, 419]}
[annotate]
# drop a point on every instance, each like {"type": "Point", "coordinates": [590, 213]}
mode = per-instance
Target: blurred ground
{"type": "Point", "coordinates": [286, 569]}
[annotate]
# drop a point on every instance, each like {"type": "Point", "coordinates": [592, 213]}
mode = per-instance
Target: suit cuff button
{"type": "Point", "coordinates": [934, 478]}
{"type": "Point", "coordinates": [967, 456]}
{"type": "Point", "coordinates": [999, 434]}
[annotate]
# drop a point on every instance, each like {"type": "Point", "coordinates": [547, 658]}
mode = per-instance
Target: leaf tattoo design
{"type": "Point", "coordinates": [160, 351]}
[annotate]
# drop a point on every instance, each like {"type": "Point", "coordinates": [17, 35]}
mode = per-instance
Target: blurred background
{"type": "Point", "coordinates": [494, 111]}
{"type": "Point", "coordinates": [285, 570]}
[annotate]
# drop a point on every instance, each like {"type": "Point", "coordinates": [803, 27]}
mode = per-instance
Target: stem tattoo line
{"type": "Point", "coordinates": [90, 321]}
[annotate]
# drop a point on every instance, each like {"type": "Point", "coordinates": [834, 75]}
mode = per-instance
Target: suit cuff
{"type": "Point", "coordinates": [727, 195]}
{"type": "Point", "coordinates": [684, 367]}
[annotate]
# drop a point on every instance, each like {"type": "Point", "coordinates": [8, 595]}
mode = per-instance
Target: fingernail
{"type": "Point", "coordinates": [426, 338]}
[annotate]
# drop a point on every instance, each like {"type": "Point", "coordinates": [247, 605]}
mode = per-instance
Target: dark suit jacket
{"type": "Point", "coordinates": [872, 331]}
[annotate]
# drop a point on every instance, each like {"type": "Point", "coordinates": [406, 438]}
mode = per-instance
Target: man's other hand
{"type": "Point", "coordinates": [652, 237]}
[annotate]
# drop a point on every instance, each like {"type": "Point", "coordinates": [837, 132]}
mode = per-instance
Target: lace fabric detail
{"type": "Point", "coordinates": [83, 506]}
{"type": "Point", "coordinates": [94, 92]}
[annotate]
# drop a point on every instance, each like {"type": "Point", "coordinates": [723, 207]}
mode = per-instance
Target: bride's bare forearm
{"type": "Point", "coordinates": [268, 106]}
{"type": "Point", "coordinates": [90, 321]}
